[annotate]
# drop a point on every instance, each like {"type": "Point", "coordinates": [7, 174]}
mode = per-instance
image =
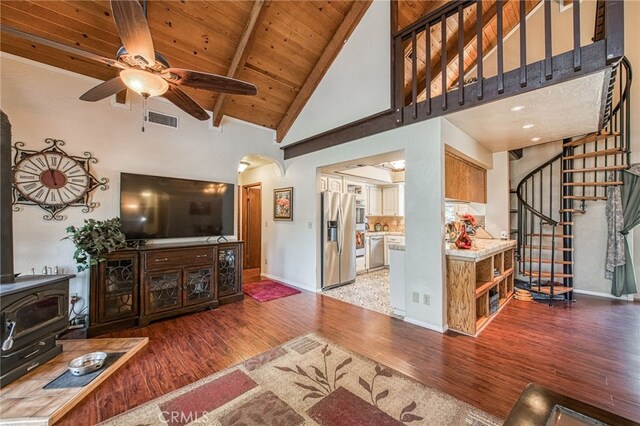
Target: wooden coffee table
{"type": "Point", "coordinates": [25, 401]}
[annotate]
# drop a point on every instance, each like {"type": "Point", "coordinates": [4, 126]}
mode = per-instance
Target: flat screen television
{"type": "Point", "coordinates": [160, 207]}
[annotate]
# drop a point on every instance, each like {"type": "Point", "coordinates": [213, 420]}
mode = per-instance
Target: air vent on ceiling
{"type": "Point", "coordinates": [163, 119]}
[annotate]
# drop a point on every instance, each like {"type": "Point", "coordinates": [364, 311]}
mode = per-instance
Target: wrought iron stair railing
{"type": "Point", "coordinates": [550, 195]}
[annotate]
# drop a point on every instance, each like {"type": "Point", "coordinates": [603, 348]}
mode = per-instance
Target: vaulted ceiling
{"type": "Point", "coordinates": [411, 12]}
{"type": "Point", "coordinates": [283, 47]}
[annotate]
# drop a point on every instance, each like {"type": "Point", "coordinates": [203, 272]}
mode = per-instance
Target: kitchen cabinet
{"type": "Point", "coordinates": [324, 183]}
{"type": "Point", "coordinates": [331, 183]}
{"type": "Point", "coordinates": [478, 286]}
{"type": "Point", "coordinates": [335, 184]}
{"type": "Point", "coordinates": [374, 205]}
{"type": "Point", "coordinates": [464, 180]}
{"type": "Point", "coordinates": [393, 200]}
{"type": "Point", "coordinates": [356, 188]}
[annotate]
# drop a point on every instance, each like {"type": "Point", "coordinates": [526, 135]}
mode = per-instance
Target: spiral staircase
{"type": "Point", "coordinates": [552, 194]}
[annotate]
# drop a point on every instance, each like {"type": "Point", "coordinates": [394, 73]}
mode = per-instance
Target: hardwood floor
{"type": "Point", "coordinates": [589, 350]}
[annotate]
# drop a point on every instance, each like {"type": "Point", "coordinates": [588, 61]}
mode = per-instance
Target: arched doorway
{"type": "Point", "coordinates": [256, 172]}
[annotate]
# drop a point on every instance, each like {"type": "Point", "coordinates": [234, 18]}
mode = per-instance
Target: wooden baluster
{"type": "Point", "coordinates": [427, 36]}
{"type": "Point", "coordinates": [479, 49]}
{"type": "Point", "coordinates": [461, 55]}
{"type": "Point", "coordinates": [500, 47]}
{"type": "Point", "coordinates": [523, 43]}
{"type": "Point", "coordinates": [577, 54]}
{"type": "Point", "coordinates": [443, 56]}
{"type": "Point", "coordinates": [548, 70]}
{"type": "Point", "coordinates": [414, 74]}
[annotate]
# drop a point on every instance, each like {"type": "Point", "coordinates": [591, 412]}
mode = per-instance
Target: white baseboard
{"type": "Point", "coordinates": [439, 329]}
{"type": "Point", "coordinates": [291, 283]}
{"type": "Point", "coordinates": [626, 297]}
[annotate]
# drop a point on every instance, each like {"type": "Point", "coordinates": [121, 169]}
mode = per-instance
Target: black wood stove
{"type": "Point", "coordinates": [33, 311]}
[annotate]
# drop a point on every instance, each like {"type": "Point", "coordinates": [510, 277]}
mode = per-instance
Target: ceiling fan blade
{"type": "Point", "coordinates": [185, 103]}
{"type": "Point", "coordinates": [214, 82]}
{"type": "Point", "coordinates": [103, 90]}
{"type": "Point", "coordinates": [60, 46]}
{"type": "Point", "coordinates": [133, 29]}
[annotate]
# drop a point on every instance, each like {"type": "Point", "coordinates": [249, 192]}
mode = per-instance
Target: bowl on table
{"type": "Point", "coordinates": [88, 363]}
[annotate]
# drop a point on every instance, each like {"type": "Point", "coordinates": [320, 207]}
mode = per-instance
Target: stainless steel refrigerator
{"type": "Point", "coordinates": [338, 238]}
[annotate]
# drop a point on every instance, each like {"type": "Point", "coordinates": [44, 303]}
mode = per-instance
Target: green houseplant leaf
{"type": "Point", "coordinates": [94, 239]}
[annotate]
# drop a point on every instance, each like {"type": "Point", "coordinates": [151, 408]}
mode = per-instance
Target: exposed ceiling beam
{"type": "Point", "coordinates": [452, 52]}
{"type": "Point", "coordinates": [242, 53]}
{"type": "Point", "coordinates": [351, 20]}
{"type": "Point", "coordinates": [529, 7]}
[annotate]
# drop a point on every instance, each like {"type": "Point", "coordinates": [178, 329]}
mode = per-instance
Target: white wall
{"type": "Point", "coordinates": [42, 102]}
{"type": "Point", "coordinates": [498, 198]}
{"type": "Point", "coordinates": [270, 177]}
{"type": "Point", "coordinates": [356, 84]}
{"type": "Point", "coordinates": [293, 248]}
{"type": "Point", "coordinates": [465, 146]}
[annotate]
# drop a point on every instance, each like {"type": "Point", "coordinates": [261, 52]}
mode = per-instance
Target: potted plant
{"type": "Point", "coordinates": [95, 238]}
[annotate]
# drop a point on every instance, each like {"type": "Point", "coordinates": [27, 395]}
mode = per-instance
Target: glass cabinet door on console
{"type": "Point", "coordinates": [163, 291]}
{"type": "Point", "coordinates": [198, 285]}
{"type": "Point", "coordinates": [229, 270]}
{"type": "Point", "coordinates": [116, 288]}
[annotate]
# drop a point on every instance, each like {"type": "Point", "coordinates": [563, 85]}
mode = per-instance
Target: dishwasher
{"type": "Point", "coordinates": [376, 252]}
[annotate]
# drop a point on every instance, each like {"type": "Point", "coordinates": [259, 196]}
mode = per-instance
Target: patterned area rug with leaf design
{"type": "Point", "coordinates": [306, 381]}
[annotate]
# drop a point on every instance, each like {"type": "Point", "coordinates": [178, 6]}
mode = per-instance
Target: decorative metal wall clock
{"type": "Point", "coordinates": [54, 180]}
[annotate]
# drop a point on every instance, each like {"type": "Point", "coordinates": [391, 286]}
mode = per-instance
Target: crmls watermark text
{"type": "Point", "coordinates": [180, 417]}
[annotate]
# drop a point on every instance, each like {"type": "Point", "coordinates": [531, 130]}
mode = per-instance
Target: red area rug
{"type": "Point", "coordinates": [307, 381]}
{"type": "Point", "coordinates": [266, 290]}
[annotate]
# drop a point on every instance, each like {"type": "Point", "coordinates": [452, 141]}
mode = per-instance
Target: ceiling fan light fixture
{"type": "Point", "coordinates": [144, 83]}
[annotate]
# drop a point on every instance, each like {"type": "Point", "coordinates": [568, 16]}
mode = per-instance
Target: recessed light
{"type": "Point", "coordinates": [518, 108]}
{"type": "Point", "coordinates": [536, 139]}
{"type": "Point", "coordinates": [528, 126]}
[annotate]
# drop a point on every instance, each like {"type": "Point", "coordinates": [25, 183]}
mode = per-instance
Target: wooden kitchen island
{"type": "Point", "coordinates": [479, 283]}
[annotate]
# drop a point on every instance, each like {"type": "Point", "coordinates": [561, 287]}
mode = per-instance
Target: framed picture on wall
{"type": "Point", "coordinates": [283, 204]}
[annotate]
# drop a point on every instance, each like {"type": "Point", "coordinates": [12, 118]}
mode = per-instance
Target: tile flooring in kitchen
{"type": "Point", "coordinates": [370, 291]}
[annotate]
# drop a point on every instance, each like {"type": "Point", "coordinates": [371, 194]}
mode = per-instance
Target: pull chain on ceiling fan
{"type": "Point", "coordinates": [142, 69]}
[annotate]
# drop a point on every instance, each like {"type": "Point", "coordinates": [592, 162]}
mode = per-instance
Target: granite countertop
{"type": "Point", "coordinates": [482, 248]}
{"type": "Point", "coordinates": [398, 247]}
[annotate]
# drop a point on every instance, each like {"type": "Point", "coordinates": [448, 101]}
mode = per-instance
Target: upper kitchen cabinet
{"type": "Point", "coordinates": [331, 183]}
{"type": "Point", "coordinates": [464, 180]}
{"type": "Point", "coordinates": [393, 200]}
{"type": "Point", "coordinates": [374, 201]}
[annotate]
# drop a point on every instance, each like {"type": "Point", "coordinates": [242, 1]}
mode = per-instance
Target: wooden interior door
{"type": "Point", "coordinates": [252, 228]}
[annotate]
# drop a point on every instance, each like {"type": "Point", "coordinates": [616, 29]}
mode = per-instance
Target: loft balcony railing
{"type": "Point", "coordinates": [439, 63]}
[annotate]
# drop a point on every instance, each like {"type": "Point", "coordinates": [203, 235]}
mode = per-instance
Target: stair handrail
{"type": "Point", "coordinates": [627, 88]}
{"type": "Point", "coordinates": [524, 203]}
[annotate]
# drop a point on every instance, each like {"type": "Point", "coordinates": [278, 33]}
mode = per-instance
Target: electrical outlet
{"type": "Point", "coordinates": [266, 224]}
{"type": "Point", "coordinates": [426, 299]}
{"type": "Point", "coordinates": [74, 297]}
{"type": "Point", "coordinates": [310, 225]}
{"type": "Point", "coordinates": [265, 262]}
{"type": "Point", "coordinates": [416, 297]}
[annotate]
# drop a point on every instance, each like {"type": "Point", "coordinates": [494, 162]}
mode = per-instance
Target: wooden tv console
{"type": "Point", "coordinates": [133, 287]}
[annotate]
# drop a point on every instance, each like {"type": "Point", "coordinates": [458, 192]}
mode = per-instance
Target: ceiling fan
{"type": "Point", "coordinates": [142, 69]}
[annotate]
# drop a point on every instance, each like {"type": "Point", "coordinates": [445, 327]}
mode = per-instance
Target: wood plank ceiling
{"type": "Point", "coordinates": [283, 47]}
{"type": "Point", "coordinates": [410, 12]}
